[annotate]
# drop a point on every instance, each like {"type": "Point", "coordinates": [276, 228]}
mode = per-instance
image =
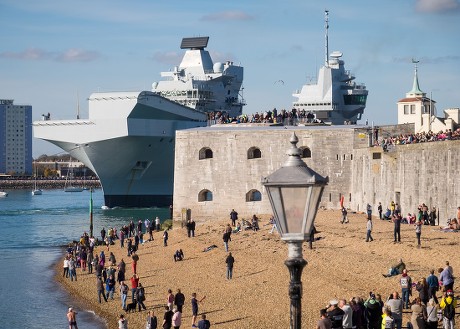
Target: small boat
{"type": "Point", "coordinates": [68, 181]}
{"type": "Point", "coordinates": [36, 191]}
{"type": "Point", "coordinates": [3, 194]}
{"type": "Point", "coordinates": [73, 189]}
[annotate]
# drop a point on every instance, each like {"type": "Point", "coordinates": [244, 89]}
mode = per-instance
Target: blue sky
{"type": "Point", "coordinates": [51, 51]}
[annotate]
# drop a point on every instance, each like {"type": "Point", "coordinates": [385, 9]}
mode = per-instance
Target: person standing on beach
{"type": "Point", "coordinates": [176, 319]}
{"type": "Point", "coordinates": [195, 308]}
{"type": "Point", "coordinates": [347, 314]}
{"type": "Point", "coordinates": [131, 228]}
{"type": "Point", "coordinates": [122, 238]}
{"type": "Point", "coordinates": [122, 322]}
{"type": "Point", "coordinates": [165, 238]}
{"type": "Point", "coordinates": [204, 323]}
{"type": "Point", "coordinates": [89, 261]}
{"type": "Point", "coordinates": [406, 288]}
{"type": "Point", "coordinates": [157, 224]}
{"type": "Point", "coordinates": [418, 232]}
{"type": "Point", "coordinates": [121, 271]}
{"type": "Point", "coordinates": [134, 284]}
{"type": "Point", "coordinates": [170, 299]}
{"type": "Point", "coordinates": [226, 238]}
{"type": "Point", "coordinates": [433, 286]}
{"type": "Point", "coordinates": [446, 278]}
{"type": "Point", "coordinates": [396, 306]}
{"type": "Point", "coordinates": [152, 321]}
{"type": "Point", "coordinates": [123, 294]}
{"type": "Point", "coordinates": [344, 215]}
{"type": "Point", "coordinates": [72, 269]}
{"type": "Point", "coordinates": [179, 300]}
{"type": "Point", "coordinates": [369, 211]}
{"type": "Point", "coordinates": [83, 256]}
{"type": "Point", "coordinates": [380, 209]}
{"type": "Point", "coordinates": [135, 259]}
{"type": "Point", "coordinates": [110, 287]}
{"type": "Point", "coordinates": [448, 305]}
{"type": "Point", "coordinates": [140, 297]}
{"type": "Point", "coordinates": [229, 261]}
{"type": "Point", "coordinates": [397, 228]}
{"type": "Point", "coordinates": [324, 322]}
{"type": "Point", "coordinates": [66, 267]}
{"type": "Point", "coordinates": [100, 289]}
{"type": "Point", "coordinates": [193, 226]}
{"type": "Point", "coordinates": [369, 230]}
{"type": "Point", "coordinates": [189, 228]}
{"type": "Point", "coordinates": [103, 234]}
{"type": "Point", "coordinates": [72, 317]}
{"type": "Point", "coordinates": [167, 318]}
{"type": "Point", "coordinates": [233, 217]}
{"type": "Point", "coordinates": [335, 314]}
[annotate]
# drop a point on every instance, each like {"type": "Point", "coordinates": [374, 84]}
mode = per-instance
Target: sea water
{"type": "Point", "coordinates": [33, 231]}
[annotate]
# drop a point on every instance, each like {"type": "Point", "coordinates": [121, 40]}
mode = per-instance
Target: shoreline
{"type": "Point", "coordinates": [45, 184]}
{"type": "Point", "coordinates": [77, 298]}
{"type": "Point", "coordinates": [340, 265]}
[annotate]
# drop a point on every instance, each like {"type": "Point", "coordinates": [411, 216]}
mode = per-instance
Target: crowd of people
{"type": "Point", "coordinates": [285, 117]}
{"type": "Point", "coordinates": [375, 312]}
{"type": "Point", "coordinates": [108, 273]}
{"type": "Point", "coordinates": [370, 312]}
{"type": "Point", "coordinates": [421, 137]}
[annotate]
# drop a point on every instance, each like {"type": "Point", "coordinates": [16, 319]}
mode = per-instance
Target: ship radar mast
{"type": "Point", "coordinates": [326, 26]}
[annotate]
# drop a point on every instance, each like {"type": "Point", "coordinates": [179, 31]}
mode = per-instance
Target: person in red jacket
{"type": "Point", "coordinates": [134, 284]}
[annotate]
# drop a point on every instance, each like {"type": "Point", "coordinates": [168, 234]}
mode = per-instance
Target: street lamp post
{"type": "Point", "coordinates": [294, 191]}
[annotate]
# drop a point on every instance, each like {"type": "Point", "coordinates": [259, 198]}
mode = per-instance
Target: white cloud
{"type": "Point", "coordinates": [438, 6]}
{"type": "Point", "coordinates": [28, 54]}
{"type": "Point", "coordinates": [37, 54]}
{"type": "Point", "coordinates": [227, 16]}
{"type": "Point", "coordinates": [77, 55]}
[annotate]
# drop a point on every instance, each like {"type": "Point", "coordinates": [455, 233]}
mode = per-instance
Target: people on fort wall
{"type": "Point", "coordinates": [421, 137]}
{"type": "Point", "coordinates": [285, 117]}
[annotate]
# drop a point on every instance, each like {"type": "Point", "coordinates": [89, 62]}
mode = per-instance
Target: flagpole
{"type": "Point", "coordinates": [91, 213]}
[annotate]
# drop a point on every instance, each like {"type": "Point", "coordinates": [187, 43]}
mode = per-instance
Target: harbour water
{"type": "Point", "coordinates": [33, 231]}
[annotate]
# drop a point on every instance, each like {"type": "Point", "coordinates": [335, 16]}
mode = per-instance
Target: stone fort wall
{"type": "Point", "coordinates": [212, 186]}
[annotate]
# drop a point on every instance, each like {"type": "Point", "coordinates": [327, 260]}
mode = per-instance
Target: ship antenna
{"type": "Point", "coordinates": [326, 26]}
{"type": "Point", "coordinates": [78, 106]}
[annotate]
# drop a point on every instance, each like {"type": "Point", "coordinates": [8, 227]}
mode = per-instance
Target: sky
{"type": "Point", "coordinates": [54, 54]}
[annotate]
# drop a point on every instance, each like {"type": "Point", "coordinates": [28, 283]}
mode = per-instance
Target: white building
{"type": "Point", "coordinates": [15, 138]}
{"type": "Point", "coordinates": [420, 110]}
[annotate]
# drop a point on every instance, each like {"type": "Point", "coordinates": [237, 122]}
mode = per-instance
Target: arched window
{"type": "Point", "coordinates": [254, 153]}
{"type": "Point", "coordinates": [305, 152]}
{"type": "Point", "coordinates": [205, 153]}
{"type": "Point", "coordinates": [253, 195]}
{"type": "Point", "coordinates": [204, 195]}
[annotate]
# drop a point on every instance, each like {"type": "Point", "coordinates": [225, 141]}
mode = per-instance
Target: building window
{"type": "Point", "coordinates": [254, 153]}
{"type": "Point", "coordinates": [376, 155]}
{"type": "Point", "coordinates": [412, 109]}
{"type": "Point", "coordinates": [305, 152]}
{"type": "Point", "coordinates": [205, 153]}
{"type": "Point", "coordinates": [406, 109]}
{"type": "Point", "coordinates": [204, 195]}
{"type": "Point", "coordinates": [253, 195]}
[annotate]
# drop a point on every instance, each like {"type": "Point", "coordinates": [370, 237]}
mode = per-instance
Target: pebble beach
{"type": "Point", "coordinates": [340, 265]}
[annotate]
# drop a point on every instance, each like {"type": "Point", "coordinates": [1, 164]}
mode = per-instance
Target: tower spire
{"type": "Point", "coordinates": [415, 86]}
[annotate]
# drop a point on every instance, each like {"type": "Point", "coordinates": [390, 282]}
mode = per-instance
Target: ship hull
{"type": "Point", "coordinates": [133, 152]}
